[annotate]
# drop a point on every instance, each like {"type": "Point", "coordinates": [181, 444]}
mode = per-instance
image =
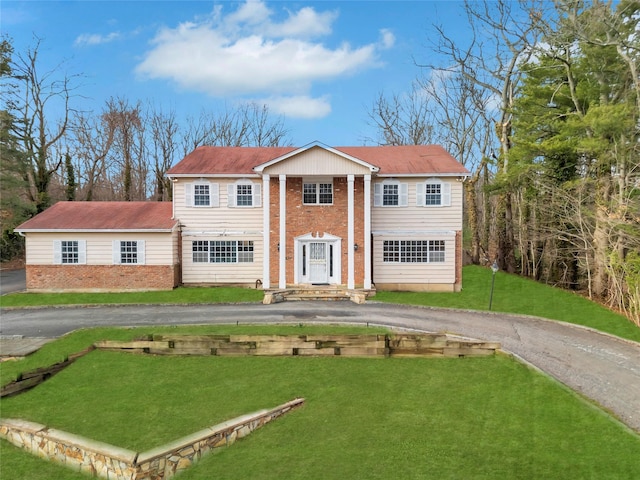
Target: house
{"type": "Point", "coordinates": [361, 218]}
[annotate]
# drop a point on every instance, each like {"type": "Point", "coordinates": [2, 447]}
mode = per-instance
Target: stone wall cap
{"type": "Point", "coordinates": [24, 425]}
{"type": "Point", "coordinates": [118, 453]}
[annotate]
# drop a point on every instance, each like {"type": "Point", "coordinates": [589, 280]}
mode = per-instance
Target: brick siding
{"type": "Point", "coordinates": [317, 219]}
{"type": "Point", "coordinates": [102, 277]}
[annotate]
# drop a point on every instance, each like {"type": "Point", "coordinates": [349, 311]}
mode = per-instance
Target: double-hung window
{"type": "Point", "coordinates": [317, 192]}
{"type": "Point", "coordinates": [69, 252]}
{"type": "Point", "coordinates": [201, 194]}
{"type": "Point", "coordinates": [390, 193]}
{"type": "Point", "coordinates": [222, 251]}
{"type": "Point", "coordinates": [433, 193]}
{"type": "Point", "coordinates": [244, 193]}
{"type": "Point", "coordinates": [413, 251]}
{"type": "Point", "coordinates": [128, 252]}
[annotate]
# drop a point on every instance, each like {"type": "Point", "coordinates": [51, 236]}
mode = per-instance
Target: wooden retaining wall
{"type": "Point", "coordinates": [394, 345]}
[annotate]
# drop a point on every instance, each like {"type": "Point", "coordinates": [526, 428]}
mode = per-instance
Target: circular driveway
{"type": "Point", "coordinates": [601, 367]}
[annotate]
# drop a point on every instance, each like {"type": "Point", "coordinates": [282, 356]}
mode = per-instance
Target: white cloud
{"type": "Point", "coordinates": [246, 53]}
{"type": "Point", "coordinates": [387, 39]}
{"type": "Point", "coordinates": [88, 39]}
{"type": "Point", "coordinates": [301, 106]}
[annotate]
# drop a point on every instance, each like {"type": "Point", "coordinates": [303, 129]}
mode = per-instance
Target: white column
{"type": "Point", "coordinates": [367, 232]}
{"type": "Point", "coordinates": [266, 235]}
{"type": "Point", "coordinates": [350, 233]}
{"type": "Point", "coordinates": [282, 278]}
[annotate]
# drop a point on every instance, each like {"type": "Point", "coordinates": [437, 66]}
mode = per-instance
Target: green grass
{"type": "Point", "coordinates": [363, 418]}
{"type": "Point", "coordinates": [518, 295]}
{"type": "Point", "coordinates": [180, 295]}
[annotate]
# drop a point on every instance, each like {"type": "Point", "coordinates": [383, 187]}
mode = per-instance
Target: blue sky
{"type": "Point", "coordinates": [320, 64]}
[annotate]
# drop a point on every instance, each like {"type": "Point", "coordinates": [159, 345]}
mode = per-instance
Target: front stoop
{"type": "Point", "coordinates": [316, 292]}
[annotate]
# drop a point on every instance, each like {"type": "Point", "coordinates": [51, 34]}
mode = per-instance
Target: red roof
{"type": "Point", "coordinates": [391, 160]}
{"type": "Point", "coordinates": [77, 216]}
{"type": "Point", "coordinates": [408, 159]}
{"type": "Point", "coordinates": [226, 160]}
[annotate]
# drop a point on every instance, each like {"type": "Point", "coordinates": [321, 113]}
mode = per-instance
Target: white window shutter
{"type": "Point", "coordinates": [117, 259]}
{"type": "Point", "coordinates": [377, 194]}
{"type": "Point", "coordinates": [188, 195]}
{"type": "Point", "coordinates": [446, 194]}
{"type": "Point", "coordinates": [403, 200]}
{"type": "Point", "coordinates": [140, 250]}
{"type": "Point", "coordinates": [57, 252]}
{"type": "Point", "coordinates": [257, 194]}
{"type": "Point", "coordinates": [420, 193]}
{"type": "Point", "coordinates": [231, 195]}
{"type": "Point", "coordinates": [214, 195]}
{"type": "Point", "coordinates": [82, 252]}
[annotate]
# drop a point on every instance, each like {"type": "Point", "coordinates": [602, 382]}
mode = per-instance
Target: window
{"type": "Point", "coordinates": [433, 193]}
{"type": "Point", "coordinates": [413, 251]}
{"type": "Point", "coordinates": [320, 193]}
{"type": "Point", "coordinates": [390, 193]}
{"type": "Point", "coordinates": [69, 252]}
{"type": "Point", "coordinates": [222, 251]}
{"type": "Point", "coordinates": [128, 252]}
{"type": "Point", "coordinates": [244, 193]}
{"type": "Point", "coordinates": [201, 194]}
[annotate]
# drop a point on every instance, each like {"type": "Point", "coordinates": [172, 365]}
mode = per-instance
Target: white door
{"type": "Point", "coordinates": [318, 263]}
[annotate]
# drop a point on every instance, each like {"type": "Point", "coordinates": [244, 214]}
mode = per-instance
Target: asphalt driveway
{"type": "Point", "coordinates": [600, 367]}
{"type": "Point", "coordinates": [12, 281]}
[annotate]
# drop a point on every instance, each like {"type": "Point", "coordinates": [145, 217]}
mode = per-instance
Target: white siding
{"type": "Point", "coordinates": [407, 273]}
{"type": "Point", "coordinates": [415, 218]}
{"type": "Point", "coordinates": [159, 248]}
{"type": "Point", "coordinates": [317, 161]}
{"type": "Point", "coordinates": [211, 273]}
{"type": "Point", "coordinates": [216, 219]}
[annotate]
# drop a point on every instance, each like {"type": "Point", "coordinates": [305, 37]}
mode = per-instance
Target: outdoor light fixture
{"type": "Point", "coordinates": [278, 246]}
{"type": "Point", "coordinates": [494, 270]}
{"type": "Point", "coordinates": [355, 246]}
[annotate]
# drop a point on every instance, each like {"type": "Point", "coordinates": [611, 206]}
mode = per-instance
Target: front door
{"type": "Point", "coordinates": [318, 262]}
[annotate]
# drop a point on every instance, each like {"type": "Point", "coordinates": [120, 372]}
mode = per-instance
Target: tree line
{"type": "Point", "coordinates": [539, 100]}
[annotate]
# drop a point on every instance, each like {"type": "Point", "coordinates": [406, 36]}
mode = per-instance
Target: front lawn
{"type": "Point", "coordinates": [470, 418]}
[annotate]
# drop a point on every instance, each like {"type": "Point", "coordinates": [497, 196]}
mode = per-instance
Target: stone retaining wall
{"type": "Point", "coordinates": [399, 345]}
{"type": "Point", "coordinates": [108, 461]}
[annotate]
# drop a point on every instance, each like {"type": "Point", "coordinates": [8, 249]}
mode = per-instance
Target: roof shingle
{"type": "Point", "coordinates": [79, 216]}
{"type": "Point", "coordinates": [391, 160]}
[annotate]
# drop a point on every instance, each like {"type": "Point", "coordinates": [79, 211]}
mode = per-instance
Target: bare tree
{"type": "Point", "coordinates": [503, 34]}
{"type": "Point", "coordinates": [128, 148]}
{"type": "Point", "coordinates": [93, 138]}
{"type": "Point", "coordinates": [37, 94]}
{"type": "Point", "coordinates": [164, 138]}
{"type": "Point", "coordinates": [403, 119]}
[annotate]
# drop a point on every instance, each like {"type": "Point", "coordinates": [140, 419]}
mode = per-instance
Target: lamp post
{"type": "Point", "coordinates": [494, 270]}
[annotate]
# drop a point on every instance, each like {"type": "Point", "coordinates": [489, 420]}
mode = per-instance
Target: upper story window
{"type": "Point", "coordinates": [390, 193]}
{"type": "Point", "coordinates": [69, 252]}
{"type": "Point", "coordinates": [317, 192]}
{"type": "Point", "coordinates": [201, 194]}
{"type": "Point", "coordinates": [128, 252]}
{"type": "Point", "coordinates": [433, 193]}
{"type": "Point", "coordinates": [244, 193]}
